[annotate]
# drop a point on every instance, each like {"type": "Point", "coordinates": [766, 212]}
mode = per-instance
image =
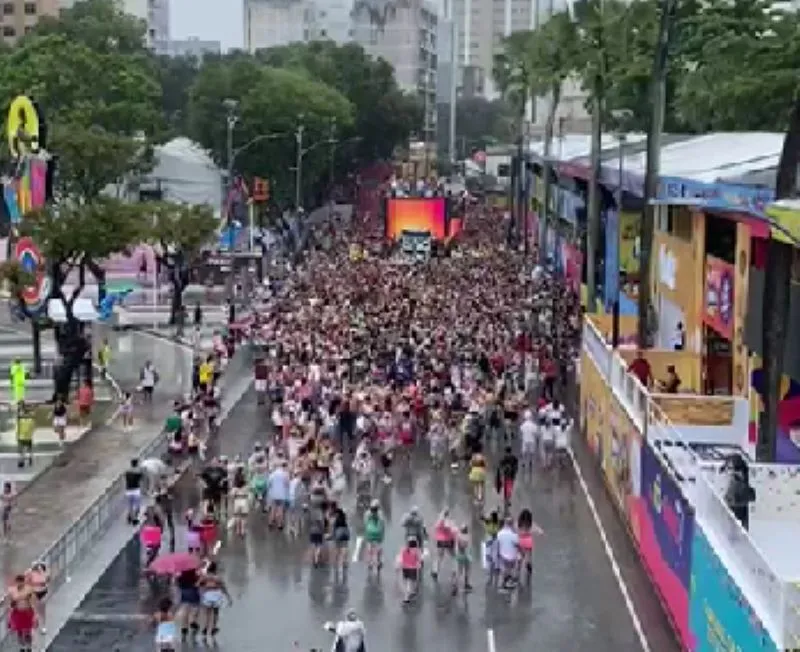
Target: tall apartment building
{"type": "Point", "coordinates": [482, 25]}
{"type": "Point", "coordinates": [270, 23]}
{"type": "Point", "coordinates": [18, 17]}
{"type": "Point", "coordinates": [404, 33]}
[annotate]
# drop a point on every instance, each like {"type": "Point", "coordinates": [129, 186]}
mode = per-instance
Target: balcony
{"type": "Point", "coordinates": [688, 437]}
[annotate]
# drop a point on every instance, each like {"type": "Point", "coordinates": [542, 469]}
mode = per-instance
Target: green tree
{"type": "Point", "coordinates": [91, 159]}
{"type": "Point", "coordinates": [176, 74]}
{"type": "Point", "coordinates": [71, 238]}
{"type": "Point", "coordinates": [17, 279]}
{"type": "Point", "coordinates": [178, 234]}
{"type": "Point", "coordinates": [741, 59]}
{"type": "Point", "coordinates": [78, 86]}
{"type": "Point", "coordinates": [271, 102]}
{"type": "Point", "coordinates": [100, 25]}
{"type": "Point", "coordinates": [384, 116]}
{"type": "Point", "coordinates": [481, 122]}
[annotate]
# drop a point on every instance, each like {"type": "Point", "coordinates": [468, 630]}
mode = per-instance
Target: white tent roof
{"type": "Point", "coordinates": [187, 173]}
{"type": "Point", "coordinates": [575, 146]}
{"type": "Point", "coordinates": [713, 157]}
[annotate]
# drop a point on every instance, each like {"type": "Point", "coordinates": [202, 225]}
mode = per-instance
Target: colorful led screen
{"type": "Point", "coordinates": [416, 214]}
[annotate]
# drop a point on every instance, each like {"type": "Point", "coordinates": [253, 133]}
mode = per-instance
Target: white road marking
{"type": "Point", "coordinates": [357, 549]}
{"type": "Point", "coordinates": [623, 587]}
{"type": "Point", "coordinates": [217, 546]}
{"type": "Point", "coordinates": [490, 644]}
{"type": "Point", "coordinates": [230, 523]}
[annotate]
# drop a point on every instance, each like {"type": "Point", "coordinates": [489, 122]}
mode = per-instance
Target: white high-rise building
{"type": "Point", "coordinates": [482, 26]}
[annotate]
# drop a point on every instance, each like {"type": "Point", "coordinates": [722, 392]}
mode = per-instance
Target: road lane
{"type": "Point", "coordinates": [573, 602]}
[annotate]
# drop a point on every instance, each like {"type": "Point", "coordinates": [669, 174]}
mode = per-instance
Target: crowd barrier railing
{"type": "Point", "coordinates": [776, 601]}
{"type": "Point", "coordinates": [62, 557]}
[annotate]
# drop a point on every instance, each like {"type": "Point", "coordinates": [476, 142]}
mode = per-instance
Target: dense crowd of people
{"type": "Point", "coordinates": [366, 361]}
{"type": "Point", "coordinates": [365, 364]}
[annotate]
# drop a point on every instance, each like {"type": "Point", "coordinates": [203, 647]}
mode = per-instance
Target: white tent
{"type": "Point", "coordinates": [186, 174]}
{"type": "Point", "coordinates": [83, 310]}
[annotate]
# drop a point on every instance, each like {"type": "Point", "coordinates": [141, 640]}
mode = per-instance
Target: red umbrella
{"type": "Point", "coordinates": [175, 563]}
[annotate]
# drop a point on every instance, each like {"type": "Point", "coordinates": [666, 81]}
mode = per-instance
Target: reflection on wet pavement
{"type": "Point", "coordinates": [573, 602]}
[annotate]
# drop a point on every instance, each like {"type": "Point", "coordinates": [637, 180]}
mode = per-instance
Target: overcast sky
{"type": "Point", "coordinates": [206, 19]}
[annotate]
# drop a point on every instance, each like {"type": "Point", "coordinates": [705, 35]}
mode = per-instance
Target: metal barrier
{"type": "Point", "coordinates": [778, 603]}
{"type": "Point", "coordinates": [98, 518]}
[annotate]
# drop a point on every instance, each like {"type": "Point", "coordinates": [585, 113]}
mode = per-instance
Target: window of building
{"type": "Point", "coordinates": [8, 8]}
{"type": "Point", "coordinates": [9, 32]}
{"type": "Point", "coordinates": [679, 222]}
{"type": "Point", "coordinates": [721, 238]}
{"type": "Point", "coordinates": [28, 29]}
{"type": "Point", "coordinates": [30, 8]}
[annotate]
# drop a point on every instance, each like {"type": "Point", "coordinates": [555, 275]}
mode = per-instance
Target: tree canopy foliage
{"type": "Point", "coordinates": [336, 92]}
{"type": "Point", "coordinates": [732, 65]}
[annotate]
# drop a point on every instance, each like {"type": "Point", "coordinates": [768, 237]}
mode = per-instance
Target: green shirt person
{"type": "Point", "coordinates": [18, 376]}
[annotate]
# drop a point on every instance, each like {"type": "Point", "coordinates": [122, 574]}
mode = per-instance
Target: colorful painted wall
{"type": "Point", "coordinates": [706, 608]}
{"type": "Point", "coordinates": [788, 413]}
{"type": "Point", "coordinates": [720, 616]}
{"type": "Point", "coordinates": [594, 403]}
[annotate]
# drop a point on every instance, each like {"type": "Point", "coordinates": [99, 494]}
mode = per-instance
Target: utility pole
{"type": "Point", "coordinates": [299, 164]}
{"type": "Point", "coordinates": [426, 108]}
{"type": "Point", "coordinates": [454, 74]}
{"type": "Point", "coordinates": [593, 216]}
{"type": "Point", "coordinates": [332, 139]}
{"type": "Point", "coordinates": [231, 120]}
{"type": "Point", "coordinates": [653, 166]}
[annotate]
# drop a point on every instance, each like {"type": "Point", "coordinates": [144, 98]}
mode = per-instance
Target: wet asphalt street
{"type": "Point", "coordinates": [573, 604]}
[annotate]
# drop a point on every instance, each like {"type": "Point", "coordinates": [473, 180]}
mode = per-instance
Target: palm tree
{"type": "Point", "coordinates": [511, 72]}
{"type": "Point", "coordinates": [552, 58]}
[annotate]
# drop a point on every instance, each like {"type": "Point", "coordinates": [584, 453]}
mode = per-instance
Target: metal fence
{"type": "Point", "coordinates": [63, 556]}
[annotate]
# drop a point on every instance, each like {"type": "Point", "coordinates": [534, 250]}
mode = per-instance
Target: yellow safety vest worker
{"type": "Point", "coordinates": [25, 428]}
{"type": "Point", "coordinates": [18, 381]}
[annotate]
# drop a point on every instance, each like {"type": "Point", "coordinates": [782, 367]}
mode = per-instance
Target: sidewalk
{"type": "Point", "coordinates": [47, 509]}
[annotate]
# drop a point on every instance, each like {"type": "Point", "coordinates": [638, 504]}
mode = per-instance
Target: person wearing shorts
{"type": "Point", "coordinates": [316, 533]}
{"type": "Point", "coordinates": [133, 491]}
{"type": "Point", "coordinates": [341, 535]}
{"type": "Point", "coordinates": [22, 612]}
{"type": "Point", "coordinates": [444, 533]}
{"type": "Point", "coordinates": [409, 562]}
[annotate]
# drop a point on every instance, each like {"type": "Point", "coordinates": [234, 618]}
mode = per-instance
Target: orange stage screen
{"type": "Point", "coordinates": [416, 214]}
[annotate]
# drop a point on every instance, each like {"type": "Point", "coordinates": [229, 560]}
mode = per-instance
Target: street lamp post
{"type": "Point", "coordinates": [298, 136]}
{"type": "Point", "coordinates": [231, 119]}
{"type": "Point", "coordinates": [332, 141]}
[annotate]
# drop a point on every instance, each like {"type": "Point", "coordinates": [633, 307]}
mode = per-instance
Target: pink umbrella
{"type": "Point", "coordinates": [174, 563]}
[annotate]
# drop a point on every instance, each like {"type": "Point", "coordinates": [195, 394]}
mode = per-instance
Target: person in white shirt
{"type": "Point", "coordinates": [351, 634]}
{"type": "Point", "coordinates": [148, 379]}
{"type": "Point", "coordinates": [549, 422]}
{"type": "Point", "coordinates": [507, 542]}
{"type": "Point", "coordinates": [562, 443]}
{"type": "Point", "coordinates": [530, 437]}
